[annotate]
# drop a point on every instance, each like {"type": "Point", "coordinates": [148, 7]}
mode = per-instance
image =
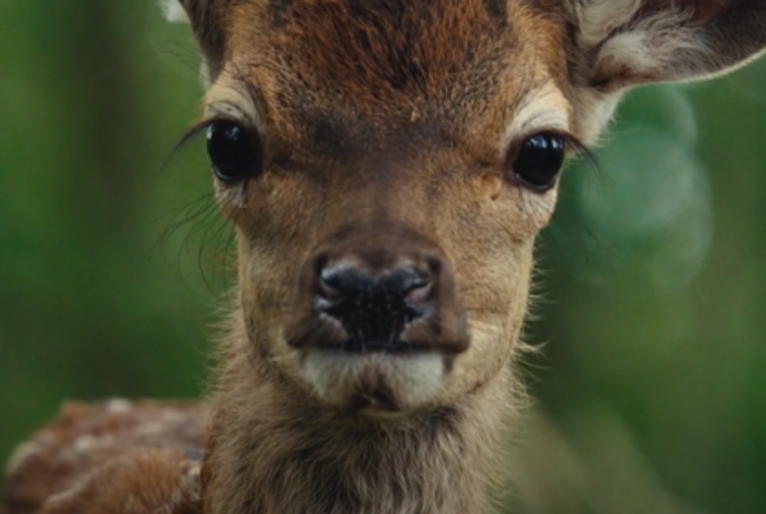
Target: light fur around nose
{"type": "Point", "coordinates": [367, 381]}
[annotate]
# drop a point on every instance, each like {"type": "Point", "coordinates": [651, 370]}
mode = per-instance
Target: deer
{"type": "Point", "coordinates": [386, 166]}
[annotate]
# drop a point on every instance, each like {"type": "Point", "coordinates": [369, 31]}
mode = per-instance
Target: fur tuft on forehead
{"type": "Point", "coordinates": [174, 12]}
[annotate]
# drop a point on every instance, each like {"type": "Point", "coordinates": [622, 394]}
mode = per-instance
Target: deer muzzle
{"type": "Point", "coordinates": [377, 325]}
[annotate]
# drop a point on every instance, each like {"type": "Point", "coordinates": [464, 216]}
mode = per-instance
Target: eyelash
{"type": "Point", "coordinates": [574, 146]}
{"type": "Point", "coordinates": [578, 150]}
{"type": "Point", "coordinates": [198, 128]}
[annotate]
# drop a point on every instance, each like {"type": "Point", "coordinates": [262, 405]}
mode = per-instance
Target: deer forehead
{"type": "Point", "coordinates": [451, 66]}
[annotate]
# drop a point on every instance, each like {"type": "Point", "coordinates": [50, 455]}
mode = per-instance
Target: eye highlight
{"type": "Point", "coordinates": [537, 161]}
{"type": "Point", "coordinates": [235, 152]}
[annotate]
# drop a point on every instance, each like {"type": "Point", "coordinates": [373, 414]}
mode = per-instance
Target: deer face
{"type": "Point", "coordinates": [388, 164]}
{"type": "Point", "coordinates": [387, 189]}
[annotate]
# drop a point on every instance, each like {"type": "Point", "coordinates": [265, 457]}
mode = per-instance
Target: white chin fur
{"type": "Point", "coordinates": [413, 379]}
{"type": "Point", "coordinates": [173, 11]}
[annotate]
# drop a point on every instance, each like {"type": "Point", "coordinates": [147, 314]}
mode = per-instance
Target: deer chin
{"type": "Point", "coordinates": [375, 382]}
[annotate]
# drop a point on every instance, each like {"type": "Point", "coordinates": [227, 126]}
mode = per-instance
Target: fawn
{"type": "Point", "coordinates": [386, 165]}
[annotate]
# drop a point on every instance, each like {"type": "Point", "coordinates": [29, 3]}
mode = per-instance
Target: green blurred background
{"type": "Point", "coordinates": [651, 390]}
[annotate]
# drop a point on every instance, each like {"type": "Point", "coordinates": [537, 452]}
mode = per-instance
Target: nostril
{"type": "Point", "coordinates": [331, 289]}
{"type": "Point", "coordinates": [343, 280]}
{"type": "Point", "coordinates": [329, 292]}
{"type": "Point", "coordinates": [404, 280]}
{"type": "Point", "coordinates": [421, 294]}
{"type": "Point", "coordinates": [419, 298]}
{"type": "Point", "coordinates": [330, 282]}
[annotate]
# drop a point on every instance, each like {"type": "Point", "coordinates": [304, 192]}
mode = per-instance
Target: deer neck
{"type": "Point", "coordinates": [272, 450]}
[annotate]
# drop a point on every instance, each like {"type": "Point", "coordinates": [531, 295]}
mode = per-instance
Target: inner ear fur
{"type": "Point", "coordinates": [620, 43]}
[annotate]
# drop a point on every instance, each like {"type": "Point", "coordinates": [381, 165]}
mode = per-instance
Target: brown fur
{"type": "Point", "coordinates": [389, 130]}
{"type": "Point", "coordinates": [294, 455]}
{"type": "Point", "coordinates": [365, 110]}
{"type": "Point", "coordinates": [123, 486]}
{"type": "Point", "coordinates": [94, 456]}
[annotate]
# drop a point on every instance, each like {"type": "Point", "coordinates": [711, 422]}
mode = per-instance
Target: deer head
{"type": "Point", "coordinates": [387, 165]}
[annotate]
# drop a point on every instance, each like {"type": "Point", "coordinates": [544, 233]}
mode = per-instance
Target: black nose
{"type": "Point", "coordinates": [374, 310]}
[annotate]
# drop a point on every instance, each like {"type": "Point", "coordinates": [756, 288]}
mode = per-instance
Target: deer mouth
{"type": "Point", "coordinates": [375, 330]}
{"type": "Point", "coordinates": [372, 358]}
{"type": "Point", "coordinates": [375, 381]}
{"type": "Point", "coordinates": [387, 368]}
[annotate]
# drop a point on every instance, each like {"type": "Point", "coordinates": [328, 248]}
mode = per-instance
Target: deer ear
{"type": "Point", "coordinates": [203, 17]}
{"type": "Point", "coordinates": [174, 11]}
{"type": "Point", "coordinates": [620, 43]}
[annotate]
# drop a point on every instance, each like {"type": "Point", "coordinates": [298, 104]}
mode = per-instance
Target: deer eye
{"type": "Point", "coordinates": [234, 151]}
{"type": "Point", "coordinates": [538, 161]}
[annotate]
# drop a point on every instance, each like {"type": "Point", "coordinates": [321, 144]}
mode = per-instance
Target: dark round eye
{"type": "Point", "coordinates": [235, 152]}
{"type": "Point", "coordinates": [539, 160]}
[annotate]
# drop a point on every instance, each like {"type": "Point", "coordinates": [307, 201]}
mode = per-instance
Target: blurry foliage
{"type": "Point", "coordinates": [651, 391]}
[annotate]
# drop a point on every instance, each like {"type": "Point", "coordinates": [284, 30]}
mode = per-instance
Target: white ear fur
{"type": "Point", "coordinates": [174, 12]}
{"type": "Point", "coordinates": [596, 19]}
{"type": "Point", "coordinates": [618, 44]}
{"type": "Point", "coordinates": [649, 46]}
{"type": "Point", "coordinates": [652, 47]}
